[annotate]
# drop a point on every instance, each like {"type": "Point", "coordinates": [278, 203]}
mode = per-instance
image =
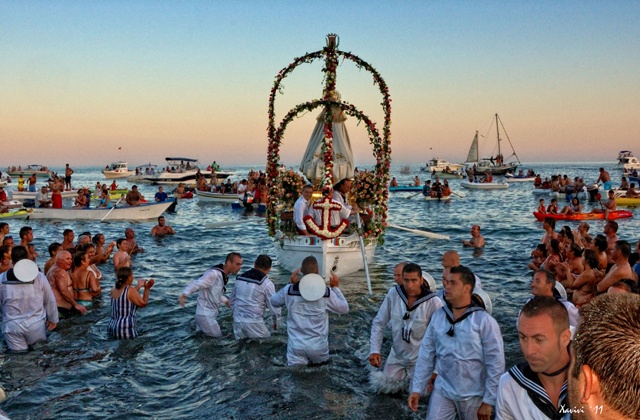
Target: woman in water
{"type": "Point", "coordinates": [125, 300]}
{"type": "Point", "coordinates": [85, 283]}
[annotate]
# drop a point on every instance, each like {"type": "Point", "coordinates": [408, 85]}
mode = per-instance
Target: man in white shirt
{"type": "Point", "coordinates": [210, 287]}
{"type": "Point", "coordinates": [42, 198]}
{"type": "Point", "coordinates": [340, 191]}
{"type": "Point", "coordinates": [301, 208]}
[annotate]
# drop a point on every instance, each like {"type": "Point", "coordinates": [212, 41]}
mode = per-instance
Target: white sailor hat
{"type": "Point", "coordinates": [561, 290]}
{"type": "Point", "coordinates": [312, 287]}
{"type": "Point", "coordinates": [430, 281]}
{"type": "Point", "coordinates": [481, 297]}
{"type": "Point", "coordinates": [25, 270]}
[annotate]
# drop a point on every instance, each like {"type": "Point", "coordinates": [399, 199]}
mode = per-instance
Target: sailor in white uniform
{"type": "Point", "coordinates": [537, 388]}
{"type": "Point", "coordinates": [464, 345]}
{"type": "Point", "coordinates": [250, 297]}
{"type": "Point", "coordinates": [407, 309]}
{"type": "Point", "coordinates": [308, 302]}
{"type": "Point", "coordinates": [301, 209]}
{"type": "Point", "coordinates": [28, 306]}
{"type": "Point", "coordinates": [211, 287]}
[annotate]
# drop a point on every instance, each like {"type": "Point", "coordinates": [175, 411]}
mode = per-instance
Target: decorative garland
{"type": "Point", "coordinates": [381, 147]}
{"type": "Point", "coordinates": [324, 230]}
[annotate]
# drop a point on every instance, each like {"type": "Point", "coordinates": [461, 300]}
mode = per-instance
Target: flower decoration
{"type": "Point", "coordinates": [326, 205]}
{"type": "Point", "coordinates": [290, 184]}
{"type": "Point", "coordinates": [330, 101]}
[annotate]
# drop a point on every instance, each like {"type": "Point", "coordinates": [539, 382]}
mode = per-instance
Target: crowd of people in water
{"type": "Point", "coordinates": [578, 329]}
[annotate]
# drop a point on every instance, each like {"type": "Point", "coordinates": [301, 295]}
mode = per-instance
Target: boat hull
{"type": "Point", "coordinates": [212, 197]}
{"type": "Point", "coordinates": [28, 173]}
{"type": "Point", "coordinates": [447, 175]}
{"type": "Point", "coordinates": [512, 178]}
{"type": "Point", "coordinates": [15, 214]}
{"type": "Point", "coordinates": [118, 174]}
{"type": "Point", "coordinates": [443, 198]}
{"type": "Point", "coordinates": [26, 195]}
{"type": "Point", "coordinates": [627, 201]}
{"type": "Point", "coordinates": [343, 253]}
{"type": "Point", "coordinates": [484, 185]}
{"type": "Point", "coordinates": [406, 188]}
{"type": "Point", "coordinates": [617, 214]}
{"type": "Point", "coordinates": [178, 177]}
{"type": "Point", "coordinates": [141, 212]}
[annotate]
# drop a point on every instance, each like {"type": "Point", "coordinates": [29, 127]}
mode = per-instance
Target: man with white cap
{"type": "Point", "coordinates": [27, 301]}
{"type": "Point", "coordinates": [407, 309]}
{"type": "Point", "coordinates": [308, 301]}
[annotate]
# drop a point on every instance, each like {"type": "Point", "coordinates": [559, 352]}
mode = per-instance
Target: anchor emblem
{"type": "Point", "coordinates": [325, 231]}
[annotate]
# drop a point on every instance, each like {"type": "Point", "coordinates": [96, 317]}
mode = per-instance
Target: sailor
{"type": "Point", "coordinates": [463, 343]}
{"type": "Point", "coordinates": [210, 287]}
{"type": "Point", "coordinates": [27, 302]}
{"type": "Point", "coordinates": [249, 299]}
{"type": "Point", "coordinates": [301, 208]}
{"type": "Point", "coordinates": [537, 388]}
{"type": "Point", "coordinates": [407, 309]}
{"type": "Point", "coordinates": [308, 301]}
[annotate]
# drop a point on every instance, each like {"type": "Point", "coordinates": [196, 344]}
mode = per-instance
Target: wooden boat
{"type": "Point", "coordinates": [495, 166]}
{"type": "Point", "coordinates": [443, 198]}
{"type": "Point", "coordinates": [117, 170]}
{"type": "Point", "coordinates": [617, 214]}
{"type": "Point", "coordinates": [207, 196]}
{"type": "Point", "coordinates": [406, 188]}
{"type": "Point", "coordinates": [141, 212]}
{"type": "Point", "coordinates": [628, 201]}
{"type": "Point", "coordinates": [20, 214]}
{"type": "Point", "coordinates": [40, 171]}
{"type": "Point", "coordinates": [344, 255]}
{"type": "Point", "coordinates": [498, 185]}
{"type": "Point", "coordinates": [441, 165]}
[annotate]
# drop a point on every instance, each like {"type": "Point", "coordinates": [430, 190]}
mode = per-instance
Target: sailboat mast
{"type": "Point", "coordinates": [498, 134]}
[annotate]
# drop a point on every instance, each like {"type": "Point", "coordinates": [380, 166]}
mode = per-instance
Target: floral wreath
{"type": "Point", "coordinates": [381, 146]}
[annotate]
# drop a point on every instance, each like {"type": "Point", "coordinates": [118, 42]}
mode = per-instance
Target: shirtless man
{"type": "Point", "coordinates": [477, 240]}
{"type": "Point", "coordinates": [549, 225]}
{"type": "Point", "coordinates": [161, 229]}
{"type": "Point", "coordinates": [133, 244]}
{"type": "Point", "coordinates": [62, 285]}
{"type": "Point", "coordinates": [133, 197]}
{"type": "Point", "coordinates": [608, 206]}
{"type": "Point", "coordinates": [121, 258]}
{"type": "Point", "coordinates": [605, 178]}
{"type": "Point", "coordinates": [26, 237]}
{"type": "Point", "coordinates": [631, 192]}
{"type": "Point", "coordinates": [68, 237]}
{"type": "Point", "coordinates": [620, 270]}
{"type": "Point", "coordinates": [67, 177]}
{"type": "Point", "coordinates": [611, 233]}
{"type": "Point", "coordinates": [581, 235]}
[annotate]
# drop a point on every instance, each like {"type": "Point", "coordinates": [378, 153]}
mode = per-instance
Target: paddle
{"type": "Point", "coordinates": [364, 255]}
{"type": "Point", "coordinates": [413, 195]}
{"type": "Point", "coordinates": [230, 223]}
{"type": "Point", "coordinates": [455, 193]}
{"type": "Point", "coordinates": [112, 208]}
{"type": "Point", "coordinates": [598, 197]}
{"type": "Point", "coordinates": [420, 232]}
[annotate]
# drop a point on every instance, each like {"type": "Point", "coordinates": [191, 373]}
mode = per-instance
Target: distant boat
{"type": "Point", "coordinates": [497, 165]}
{"type": "Point", "coordinates": [627, 161]}
{"type": "Point", "coordinates": [117, 170]}
{"type": "Point", "coordinates": [441, 165]}
{"type": "Point", "coordinates": [405, 170]}
{"type": "Point", "coordinates": [141, 212]}
{"type": "Point", "coordinates": [40, 171]}
{"type": "Point", "coordinates": [181, 169]}
{"type": "Point", "coordinates": [499, 185]}
{"type": "Point", "coordinates": [142, 170]}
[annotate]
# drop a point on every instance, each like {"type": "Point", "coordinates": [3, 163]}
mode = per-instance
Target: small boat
{"type": "Point", "coordinates": [11, 204]}
{"type": "Point", "coordinates": [617, 214]}
{"type": "Point", "coordinates": [207, 196]}
{"type": "Point", "coordinates": [517, 178]}
{"type": "Point", "coordinates": [441, 165]}
{"type": "Point", "coordinates": [406, 188]}
{"type": "Point", "coordinates": [582, 195]}
{"type": "Point", "coordinates": [20, 214]}
{"type": "Point", "coordinates": [26, 195]}
{"type": "Point", "coordinates": [142, 170]}
{"type": "Point", "coordinates": [40, 171]}
{"type": "Point", "coordinates": [117, 170]}
{"type": "Point", "coordinates": [141, 212]}
{"type": "Point", "coordinates": [405, 170]}
{"type": "Point", "coordinates": [497, 165]}
{"type": "Point", "coordinates": [447, 175]}
{"type": "Point", "coordinates": [180, 169]}
{"type": "Point", "coordinates": [443, 198]}
{"type": "Point", "coordinates": [628, 201]}
{"type": "Point", "coordinates": [498, 185]}
{"type": "Point", "coordinates": [627, 161]}
{"type": "Point", "coordinates": [117, 193]}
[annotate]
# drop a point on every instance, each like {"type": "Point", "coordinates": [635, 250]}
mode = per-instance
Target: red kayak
{"type": "Point", "coordinates": [188, 194]}
{"type": "Point", "coordinates": [617, 214]}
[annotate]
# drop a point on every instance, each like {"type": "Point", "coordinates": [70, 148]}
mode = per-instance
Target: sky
{"type": "Point", "coordinates": [93, 82]}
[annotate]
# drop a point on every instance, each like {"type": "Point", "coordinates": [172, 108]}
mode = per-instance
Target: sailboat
{"type": "Point", "coordinates": [494, 165]}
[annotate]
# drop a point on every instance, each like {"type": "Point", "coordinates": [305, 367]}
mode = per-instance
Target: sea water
{"type": "Point", "coordinates": [170, 371]}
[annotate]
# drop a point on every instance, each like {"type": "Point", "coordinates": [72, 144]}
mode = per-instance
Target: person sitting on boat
{"type": "Point", "coordinates": [161, 196]}
{"type": "Point", "coordinates": [553, 207]}
{"type": "Point", "coordinates": [426, 190]}
{"type": "Point", "coordinates": [416, 181]}
{"type": "Point", "coordinates": [545, 184]}
{"type": "Point", "coordinates": [179, 189]}
{"type": "Point", "coordinates": [301, 208]}
{"type": "Point", "coordinates": [340, 191]}
{"type": "Point", "coordinates": [541, 207]}
{"type": "Point", "coordinates": [394, 182]}
{"type": "Point", "coordinates": [631, 192]}
{"type": "Point", "coordinates": [624, 184]}
{"type": "Point", "coordinates": [407, 310]}
{"type": "Point", "coordinates": [605, 178]}
{"type": "Point", "coordinates": [574, 208]}
{"type": "Point", "coordinates": [608, 206]}
{"type": "Point", "coordinates": [105, 198]}
{"type": "Point", "coordinates": [42, 198]}
{"type": "Point", "coordinates": [436, 189]}
{"type": "Point", "coordinates": [477, 240]}
{"type": "Point", "coordinates": [446, 190]}
{"type": "Point", "coordinates": [308, 317]}
{"type": "Point", "coordinates": [487, 177]}
{"type": "Point", "coordinates": [133, 197]}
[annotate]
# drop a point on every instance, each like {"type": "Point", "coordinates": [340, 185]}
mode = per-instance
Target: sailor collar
{"type": "Point", "coordinates": [425, 295]}
{"type": "Point", "coordinates": [294, 290]}
{"type": "Point", "coordinates": [11, 278]}
{"type": "Point", "coordinates": [529, 380]}
{"type": "Point", "coordinates": [219, 268]}
{"type": "Point", "coordinates": [254, 276]}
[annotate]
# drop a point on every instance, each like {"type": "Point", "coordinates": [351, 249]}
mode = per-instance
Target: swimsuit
{"type": "Point", "coordinates": [123, 317]}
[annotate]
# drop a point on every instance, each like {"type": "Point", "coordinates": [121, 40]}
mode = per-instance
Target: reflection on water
{"type": "Point", "coordinates": [172, 372]}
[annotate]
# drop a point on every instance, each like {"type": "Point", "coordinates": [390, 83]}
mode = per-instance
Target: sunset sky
{"type": "Point", "coordinates": [79, 79]}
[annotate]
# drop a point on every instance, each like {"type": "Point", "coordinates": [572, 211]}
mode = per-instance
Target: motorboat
{"type": "Point", "coordinates": [440, 165]}
{"type": "Point", "coordinates": [117, 170]}
{"type": "Point", "coordinates": [181, 169]}
{"type": "Point", "coordinates": [26, 195]}
{"type": "Point", "coordinates": [494, 165]}
{"type": "Point", "coordinates": [627, 161]}
{"type": "Point", "coordinates": [142, 212]}
{"type": "Point", "coordinates": [40, 171]}
{"type": "Point", "coordinates": [142, 170]}
{"type": "Point", "coordinates": [498, 185]}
